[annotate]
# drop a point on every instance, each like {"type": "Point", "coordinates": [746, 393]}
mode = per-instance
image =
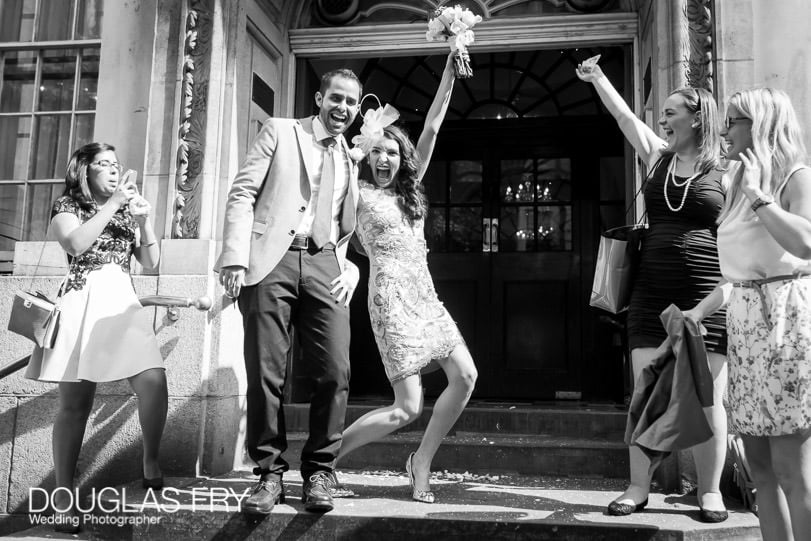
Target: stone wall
{"type": "Point", "coordinates": [204, 433]}
{"type": "Point", "coordinates": [765, 43]}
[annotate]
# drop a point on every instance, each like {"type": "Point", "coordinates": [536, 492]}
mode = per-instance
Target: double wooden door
{"type": "Point", "coordinates": [516, 209]}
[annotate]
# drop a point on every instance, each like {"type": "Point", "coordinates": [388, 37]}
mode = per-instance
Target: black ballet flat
{"type": "Point", "coordinates": [155, 483]}
{"type": "Point", "coordinates": [712, 516]}
{"type": "Point", "coordinates": [623, 509]}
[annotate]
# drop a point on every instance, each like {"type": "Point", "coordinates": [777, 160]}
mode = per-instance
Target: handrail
{"type": "Point", "coordinates": [12, 367]}
{"type": "Point", "coordinates": [201, 303]}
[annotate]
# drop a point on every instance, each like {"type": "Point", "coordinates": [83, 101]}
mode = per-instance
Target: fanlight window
{"type": "Point", "coordinates": [517, 84]}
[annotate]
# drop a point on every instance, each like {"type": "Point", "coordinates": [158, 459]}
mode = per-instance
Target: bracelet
{"type": "Point", "coordinates": [149, 244]}
{"type": "Point", "coordinates": [762, 201]}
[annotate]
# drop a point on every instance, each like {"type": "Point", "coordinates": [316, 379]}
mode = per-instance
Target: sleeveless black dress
{"type": "Point", "coordinates": [679, 259]}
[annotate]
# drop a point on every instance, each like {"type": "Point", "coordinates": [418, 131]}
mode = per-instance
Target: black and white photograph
{"type": "Point", "coordinates": [309, 270]}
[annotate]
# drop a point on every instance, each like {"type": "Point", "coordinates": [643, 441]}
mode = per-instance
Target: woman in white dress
{"type": "Point", "coordinates": [413, 330]}
{"type": "Point", "coordinates": [104, 334]}
{"type": "Point", "coordinates": [764, 246]}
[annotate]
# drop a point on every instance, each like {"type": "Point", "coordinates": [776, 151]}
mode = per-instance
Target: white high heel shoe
{"type": "Point", "coordinates": [424, 496]}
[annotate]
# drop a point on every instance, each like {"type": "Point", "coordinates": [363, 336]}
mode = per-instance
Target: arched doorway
{"type": "Point", "coordinates": [527, 171]}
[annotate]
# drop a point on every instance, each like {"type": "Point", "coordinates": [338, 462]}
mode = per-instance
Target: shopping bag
{"type": "Point", "coordinates": [34, 316]}
{"type": "Point", "coordinates": [617, 260]}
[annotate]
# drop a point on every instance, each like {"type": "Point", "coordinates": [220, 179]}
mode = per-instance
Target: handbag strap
{"type": "Point", "coordinates": [64, 280]}
{"type": "Point", "coordinates": [39, 259]}
{"type": "Point", "coordinates": [642, 188]}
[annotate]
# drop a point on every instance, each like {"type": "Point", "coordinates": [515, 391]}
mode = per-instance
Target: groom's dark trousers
{"type": "Point", "coordinates": [297, 293]}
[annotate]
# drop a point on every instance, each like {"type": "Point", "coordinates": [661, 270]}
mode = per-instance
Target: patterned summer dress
{"type": "Point", "coordinates": [769, 328]}
{"type": "Point", "coordinates": [411, 326]}
{"type": "Point", "coordinates": [104, 333]}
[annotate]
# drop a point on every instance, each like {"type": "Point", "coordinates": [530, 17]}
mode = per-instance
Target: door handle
{"type": "Point", "coordinates": [486, 235]}
{"type": "Point", "coordinates": [494, 235]}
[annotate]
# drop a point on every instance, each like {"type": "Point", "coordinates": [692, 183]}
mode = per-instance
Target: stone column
{"type": "Point", "coordinates": [782, 53]}
{"type": "Point", "coordinates": [205, 364]}
{"type": "Point", "coordinates": [123, 106]}
{"type": "Point", "coordinates": [673, 48]}
{"type": "Point", "coordinates": [686, 53]}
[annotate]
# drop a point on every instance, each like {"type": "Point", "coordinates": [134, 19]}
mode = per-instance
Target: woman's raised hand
{"type": "Point", "coordinates": [449, 62]}
{"type": "Point", "coordinates": [589, 71]}
{"type": "Point", "coordinates": [125, 190]}
{"type": "Point", "coordinates": [751, 182]}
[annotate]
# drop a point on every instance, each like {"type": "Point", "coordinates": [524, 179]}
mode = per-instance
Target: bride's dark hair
{"type": "Point", "coordinates": [408, 188]}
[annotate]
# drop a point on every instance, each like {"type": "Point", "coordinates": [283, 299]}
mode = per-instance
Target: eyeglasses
{"type": "Point", "coordinates": [731, 121]}
{"type": "Point", "coordinates": [108, 164]}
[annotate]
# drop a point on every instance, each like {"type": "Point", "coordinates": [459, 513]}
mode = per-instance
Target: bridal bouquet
{"type": "Point", "coordinates": [454, 24]}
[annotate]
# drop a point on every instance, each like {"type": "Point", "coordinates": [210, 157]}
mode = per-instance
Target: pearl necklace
{"type": "Point", "coordinates": [670, 176]}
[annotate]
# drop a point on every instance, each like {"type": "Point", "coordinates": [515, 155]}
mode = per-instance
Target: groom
{"type": "Point", "coordinates": [289, 216]}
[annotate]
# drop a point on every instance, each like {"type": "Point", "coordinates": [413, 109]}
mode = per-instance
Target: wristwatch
{"type": "Point", "coordinates": [762, 201]}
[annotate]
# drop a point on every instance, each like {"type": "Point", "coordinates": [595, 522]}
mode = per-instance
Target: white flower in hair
{"type": "Point", "coordinates": [374, 120]}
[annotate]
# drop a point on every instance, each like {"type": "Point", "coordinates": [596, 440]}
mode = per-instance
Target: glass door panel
{"type": "Point", "coordinates": [534, 206]}
{"type": "Point", "coordinates": [456, 207]}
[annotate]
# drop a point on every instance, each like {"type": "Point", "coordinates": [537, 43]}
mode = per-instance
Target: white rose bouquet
{"type": "Point", "coordinates": [454, 24]}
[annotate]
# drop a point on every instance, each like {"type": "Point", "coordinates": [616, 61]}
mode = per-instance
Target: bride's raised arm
{"type": "Point", "coordinates": [435, 116]}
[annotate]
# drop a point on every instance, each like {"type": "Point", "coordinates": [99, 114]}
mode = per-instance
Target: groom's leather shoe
{"type": "Point", "coordinates": [316, 496]}
{"type": "Point", "coordinates": [264, 496]}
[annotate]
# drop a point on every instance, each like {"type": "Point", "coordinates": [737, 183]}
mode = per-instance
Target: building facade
{"type": "Point", "coordinates": [529, 169]}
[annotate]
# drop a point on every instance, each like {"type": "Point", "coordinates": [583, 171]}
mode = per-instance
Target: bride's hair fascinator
{"type": "Point", "coordinates": [374, 120]}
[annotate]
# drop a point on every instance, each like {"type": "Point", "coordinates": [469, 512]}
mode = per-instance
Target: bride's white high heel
{"type": "Point", "coordinates": [424, 496]}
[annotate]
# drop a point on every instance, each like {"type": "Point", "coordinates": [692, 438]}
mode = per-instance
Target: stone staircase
{"type": "Point", "coordinates": [506, 471]}
{"type": "Point", "coordinates": [554, 440]}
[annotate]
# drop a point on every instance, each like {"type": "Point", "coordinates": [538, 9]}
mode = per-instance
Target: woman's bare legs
{"type": "Point", "coordinates": [461, 373]}
{"type": "Point", "coordinates": [791, 462]}
{"type": "Point", "coordinates": [638, 489]}
{"type": "Point", "coordinates": [407, 407]}
{"type": "Point", "coordinates": [75, 405]}
{"type": "Point", "coordinates": [773, 511]}
{"type": "Point", "coordinates": [150, 387]}
{"type": "Point", "coordinates": [709, 456]}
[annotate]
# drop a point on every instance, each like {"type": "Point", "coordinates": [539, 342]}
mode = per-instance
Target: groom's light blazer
{"type": "Point", "coordinates": [269, 195]}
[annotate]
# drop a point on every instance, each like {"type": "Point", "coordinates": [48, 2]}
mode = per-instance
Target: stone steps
{"type": "Point", "coordinates": [600, 421]}
{"type": "Point", "coordinates": [510, 507]}
{"type": "Point", "coordinates": [489, 454]}
{"type": "Point", "coordinates": [487, 439]}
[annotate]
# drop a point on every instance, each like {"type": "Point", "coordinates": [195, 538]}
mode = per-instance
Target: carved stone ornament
{"type": "Point", "coordinates": [352, 12]}
{"type": "Point", "coordinates": [588, 6]}
{"type": "Point", "coordinates": [700, 26]}
{"type": "Point", "coordinates": [191, 132]}
{"type": "Point", "coordinates": [336, 12]}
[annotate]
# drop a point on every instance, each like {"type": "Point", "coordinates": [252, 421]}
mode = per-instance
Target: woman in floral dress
{"type": "Point", "coordinates": [413, 330]}
{"type": "Point", "coordinates": [104, 335]}
{"type": "Point", "coordinates": [764, 246]}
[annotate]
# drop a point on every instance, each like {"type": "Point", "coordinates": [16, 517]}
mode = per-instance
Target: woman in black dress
{"type": "Point", "coordinates": [679, 263]}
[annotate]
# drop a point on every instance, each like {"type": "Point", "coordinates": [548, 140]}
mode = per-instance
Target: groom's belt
{"type": "Point", "coordinates": [300, 242]}
{"type": "Point", "coordinates": [303, 242]}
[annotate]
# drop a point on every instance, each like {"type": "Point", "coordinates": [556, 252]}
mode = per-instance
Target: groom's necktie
{"type": "Point", "coordinates": [322, 224]}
